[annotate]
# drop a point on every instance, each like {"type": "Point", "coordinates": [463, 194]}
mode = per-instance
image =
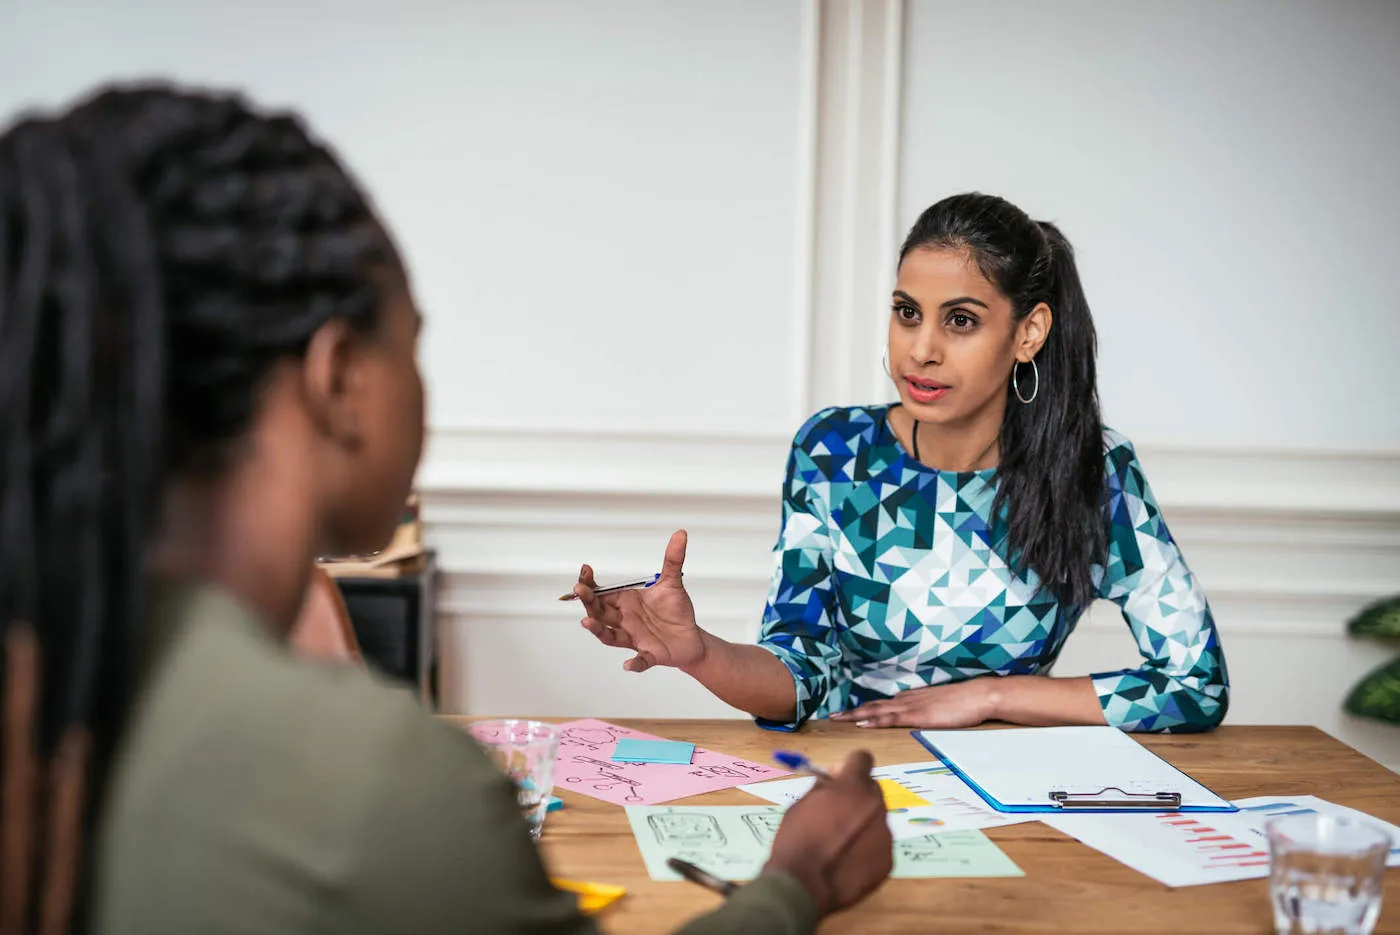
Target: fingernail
{"type": "Point", "coordinates": [862, 723]}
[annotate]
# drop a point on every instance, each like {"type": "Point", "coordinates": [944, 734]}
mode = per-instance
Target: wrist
{"type": "Point", "coordinates": [808, 878]}
{"type": "Point", "coordinates": [994, 696]}
{"type": "Point", "coordinates": [710, 646]}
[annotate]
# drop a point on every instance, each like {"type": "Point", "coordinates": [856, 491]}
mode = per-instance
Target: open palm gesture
{"type": "Point", "coordinates": [657, 623]}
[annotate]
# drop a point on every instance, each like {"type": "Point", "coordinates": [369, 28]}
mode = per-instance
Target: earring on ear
{"type": "Point", "coordinates": [1016, 384]}
{"type": "Point", "coordinates": [885, 362]}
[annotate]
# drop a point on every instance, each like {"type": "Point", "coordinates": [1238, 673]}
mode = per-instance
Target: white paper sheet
{"type": "Point", "coordinates": [1257, 811]}
{"type": "Point", "coordinates": [952, 806]}
{"type": "Point", "coordinates": [1174, 848]}
{"type": "Point", "coordinates": [1182, 849]}
{"type": "Point", "coordinates": [1023, 766]}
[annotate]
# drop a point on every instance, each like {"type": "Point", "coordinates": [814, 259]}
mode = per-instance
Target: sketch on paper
{"type": "Point", "coordinates": [687, 828]}
{"type": "Point", "coordinates": [738, 769]}
{"type": "Point", "coordinates": [722, 863]}
{"type": "Point", "coordinates": [727, 840]}
{"type": "Point", "coordinates": [764, 826]}
{"type": "Point", "coordinates": [607, 779]}
{"type": "Point", "coordinates": [919, 850]}
{"type": "Point", "coordinates": [583, 765]}
{"type": "Point", "coordinates": [734, 842]}
{"type": "Point", "coordinates": [593, 739]}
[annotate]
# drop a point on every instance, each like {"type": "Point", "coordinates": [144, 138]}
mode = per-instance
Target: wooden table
{"type": "Point", "coordinates": [1068, 887]}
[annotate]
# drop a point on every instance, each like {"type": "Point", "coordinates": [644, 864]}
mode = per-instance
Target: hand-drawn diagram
{"type": "Point", "coordinates": [918, 850]}
{"type": "Point", "coordinates": [584, 764]}
{"type": "Point", "coordinates": [730, 841]}
{"type": "Point", "coordinates": [608, 778]}
{"type": "Point", "coordinates": [935, 848]}
{"type": "Point", "coordinates": [739, 769]}
{"type": "Point", "coordinates": [735, 841]}
{"type": "Point", "coordinates": [687, 829]}
{"type": "Point", "coordinates": [719, 862]}
{"type": "Point", "coordinates": [764, 826]}
{"type": "Point", "coordinates": [596, 739]}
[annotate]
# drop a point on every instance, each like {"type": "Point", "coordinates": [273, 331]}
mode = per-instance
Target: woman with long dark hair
{"type": "Point", "coordinates": [208, 376]}
{"type": "Point", "coordinates": [936, 553]}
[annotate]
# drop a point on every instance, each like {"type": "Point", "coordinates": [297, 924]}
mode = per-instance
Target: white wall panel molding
{"type": "Point", "coordinates": [856, 196]}
{"type": "Point", "coordinates": [1357, 486]}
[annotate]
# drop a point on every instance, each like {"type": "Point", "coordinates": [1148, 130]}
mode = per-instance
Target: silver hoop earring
{"type": "Point", "coordinates": [1016, 384]}
{"type": "Point", "coordinates": [885, 362]}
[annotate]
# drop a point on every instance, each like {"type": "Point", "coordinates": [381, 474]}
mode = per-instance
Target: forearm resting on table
{"type": "Point", "coordinates": [748, 677]}
{"type": "Point", "coordinates": [1042, 701]}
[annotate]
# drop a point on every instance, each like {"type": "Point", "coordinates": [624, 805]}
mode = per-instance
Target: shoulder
{"type": "Point", "coordinates": [840, 429]}
{"type": "Point", "coordinates": [1117, 445]}
{"type": "Point", "coordinates": [236, 750]}
{"type": "Point", "coordinates": [363, 728]}
{"type": "Point", "coordinates": [1130, 505]}
{"type": "Point", "coordinates": [236, 744]}
{"type": "Point", "coordinates": [1122, 469]}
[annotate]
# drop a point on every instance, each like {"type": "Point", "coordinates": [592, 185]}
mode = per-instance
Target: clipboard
{"type": "Point", "coordinates": [1067, 770]}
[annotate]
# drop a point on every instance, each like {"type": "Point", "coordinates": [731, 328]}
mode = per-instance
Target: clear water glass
{"type": "Point", "coordinates": [524, 751]}
{"type": "Point", "coordinates": [1326, 874]}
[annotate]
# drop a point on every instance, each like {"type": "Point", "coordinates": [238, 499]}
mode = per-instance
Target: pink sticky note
{"type": "Point", "coordinates": [584, 765]}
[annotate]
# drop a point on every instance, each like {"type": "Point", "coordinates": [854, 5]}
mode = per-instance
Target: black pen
{"type": "Point", "coordinates": [704, 878]}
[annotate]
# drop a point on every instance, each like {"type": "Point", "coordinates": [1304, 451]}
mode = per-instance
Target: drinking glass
{"type": "Point", "coordinates": [524, 751]}
{"type": "Point", "coordinates": [1326, 874]}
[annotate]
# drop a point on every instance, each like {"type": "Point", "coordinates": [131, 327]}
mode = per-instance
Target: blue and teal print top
{"type": "Point", "coordinates": [886, 579]}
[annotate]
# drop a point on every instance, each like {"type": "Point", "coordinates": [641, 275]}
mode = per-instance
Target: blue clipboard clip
{"type": "Point", "coordinates": [1152, 801]}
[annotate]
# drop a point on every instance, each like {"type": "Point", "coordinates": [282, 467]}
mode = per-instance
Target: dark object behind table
{"type": "Point", "coordinates": [394, 621]}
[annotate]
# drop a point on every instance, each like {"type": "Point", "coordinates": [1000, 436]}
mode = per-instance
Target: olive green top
{"type": "Point", "coordinates": [253, 792]}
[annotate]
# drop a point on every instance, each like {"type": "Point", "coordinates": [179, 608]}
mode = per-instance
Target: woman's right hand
{"type": "Point", "coordinates": [656, 623]}
{"type": "Point", "coordinates": [835, 840]}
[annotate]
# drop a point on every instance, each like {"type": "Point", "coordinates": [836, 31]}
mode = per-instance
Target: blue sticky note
{"type": "Point", "coordinates": [629, 750]}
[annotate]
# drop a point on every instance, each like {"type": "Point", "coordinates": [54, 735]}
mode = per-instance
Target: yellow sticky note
{"type": "Point", "coordinates": [592, 897]}
{"type": "Point", "coordinates": [896, 796]}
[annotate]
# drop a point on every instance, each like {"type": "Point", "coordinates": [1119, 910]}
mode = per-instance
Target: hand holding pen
{"type": "Point", "coordinates": [834, 841]}
{"type": "Point", "coordinates": [702, 877]}
{"type": "Point", "coordinates": [798, 763]}
{"type": "Point", "coordinates": [611, 588]}
{"type": "Point", "coordinates": [655, 620]}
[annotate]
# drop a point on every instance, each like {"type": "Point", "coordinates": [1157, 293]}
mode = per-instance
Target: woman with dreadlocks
{"type": "Point", "coordinates": [208, 376]}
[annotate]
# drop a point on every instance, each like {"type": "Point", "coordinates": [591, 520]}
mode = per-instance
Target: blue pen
{"type": "Point", "coordinates": [799, 764]}
{"type": "Point", "coordinates": [627, 586]}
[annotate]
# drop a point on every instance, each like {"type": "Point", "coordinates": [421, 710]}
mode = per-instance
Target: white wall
{"type": "Point", "coordinates": [1228, 175]}
{"type": "Point", "coordinates": [592, 195]}
{"type": "Point", "coordinates": [650, 236]}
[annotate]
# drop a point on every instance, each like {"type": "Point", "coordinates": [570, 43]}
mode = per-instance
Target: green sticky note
{"type": "Point", "coordinates": [733, 841]}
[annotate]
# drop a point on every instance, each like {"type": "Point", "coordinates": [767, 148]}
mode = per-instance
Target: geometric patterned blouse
{"type": "Point", "coordinates": [886, 579]}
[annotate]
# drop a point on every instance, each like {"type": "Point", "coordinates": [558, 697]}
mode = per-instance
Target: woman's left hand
{"type": "Point", "coordinates": [958, 704]}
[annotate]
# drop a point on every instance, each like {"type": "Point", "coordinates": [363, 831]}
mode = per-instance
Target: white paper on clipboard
{"type": "Point", "coordinates": [1020, 768]}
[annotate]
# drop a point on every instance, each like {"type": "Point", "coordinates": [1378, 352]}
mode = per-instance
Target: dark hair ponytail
{"type": "Point", "coordinates": [159, 251]}
{"type": "Point", "coordinates": [1051, 490]}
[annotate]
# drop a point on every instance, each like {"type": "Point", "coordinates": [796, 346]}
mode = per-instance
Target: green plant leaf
{"type": "Point", "coordinates": [1378, 694]}
{"type": "Point", "coordinates": [1381, 620]}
